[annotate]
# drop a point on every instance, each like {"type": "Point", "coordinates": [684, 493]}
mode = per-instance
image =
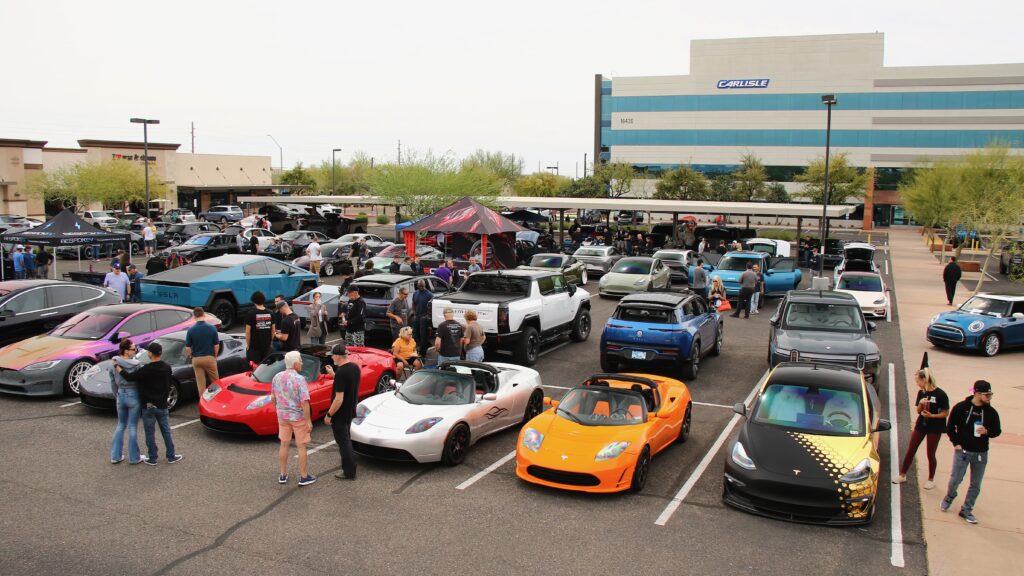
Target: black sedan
{"type": "Point", "coordinates": [202, 247]}
{"type": "Point", "coordinates": [808, 451]}
{"type": "Point", "coordinates": [179, 233]}
{"type": "Point", "coordinates": [299, 239]}
{"type": "Point", "coordinates": [97, 391]}
{"type": "Point", "coordinates": [33, 307]}
{"type": "Point", "coordinates": [335, 260]}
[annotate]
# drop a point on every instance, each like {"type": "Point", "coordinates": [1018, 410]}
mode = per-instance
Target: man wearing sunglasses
{"type": "Point", "coordinates": [971, 423]}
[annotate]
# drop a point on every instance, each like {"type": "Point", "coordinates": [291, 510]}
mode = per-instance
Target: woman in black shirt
{"type": "Point", "coordinates": [932, 409]}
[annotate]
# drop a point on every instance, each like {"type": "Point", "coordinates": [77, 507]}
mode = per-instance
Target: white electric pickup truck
{"type": "Point", "coordinates": [520, 310]}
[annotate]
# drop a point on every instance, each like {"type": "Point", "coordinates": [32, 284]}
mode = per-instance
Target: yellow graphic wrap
{"type": "Point", "coordinates": [838, 455]}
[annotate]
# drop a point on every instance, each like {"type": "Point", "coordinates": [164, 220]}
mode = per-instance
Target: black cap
{"type": "Point", "coordinates": [982, 387]}
{"type": "Point", "coordinates": [339, 350]}
{"type": "Point", "coordinates": [155, 349]}
{"type": "Point", "coordinates": [352, 288]}
{"type": "Point", "coordinates": [281, 304]}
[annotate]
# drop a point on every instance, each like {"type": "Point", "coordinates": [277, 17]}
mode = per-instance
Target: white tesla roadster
{"type": "Point", "coordinates": [436, 415]}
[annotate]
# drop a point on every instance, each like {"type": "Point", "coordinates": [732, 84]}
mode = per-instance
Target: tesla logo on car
{"type": "Point", "coordinates": [828, 347]}
{"type": "Point", "coordinates": [639, 333]}
{"type": "Point", "coordinates": [564, 457]}
{"type": "Point", "coordinates": [797, 472]}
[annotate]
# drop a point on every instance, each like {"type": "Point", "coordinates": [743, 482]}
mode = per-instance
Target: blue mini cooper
{"type": "Point", "coordinates": [986, 323]}
{"type": "Point", "coordinates": [661, 327]}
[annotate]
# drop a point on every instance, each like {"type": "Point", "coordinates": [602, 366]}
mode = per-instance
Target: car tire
{"type": "Point", "coordinates": [581, 326]}
{"type": "Point", "coordinates": [684, 430]}
{"type": "Point", "coordinates": [991, 343]}
{"type": "Point", "coordinates": [72, 378]}
{"type": "Point", "coordinates": [528, 347]}
{"type": "Point", "coordinates": [173, 395]}
{"type": "Point", "coordinates": [225, 311]}
{"type": "Point", "coordinates": [691, 366]}
{"type": "Point", "coordinates": [386, 383]}
{"type": "Point", "coordinates": [328, 269]}
{"type": "Point", "coordinates": [607, 364]}
{"type": "Point", "coordinates": [717, 350]}
{"type": "Point", "coordinates": [534, 406]}
{"type": "Point", "coordinates": [456, 445]}
{"type": "Point", "coordinates": [641, 470]}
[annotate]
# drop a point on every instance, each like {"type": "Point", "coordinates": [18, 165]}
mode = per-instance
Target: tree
{"type": "Point", "coordinates": [422, 184]}
{"type": "Point", "coordinates": [299, 176]}
{"type": "Point", "coordinates": [348, 180]}
{"type": "Point", "coordinates": [683, 183]}
{"type": "Point", "coordinates": [749, 180]}
{"type": "Point", "coordinates": [775, 192]}
{"type": "Point", "coordinates": [586, 187]}
{"type": "Point", "coordinates": [506, 168]}
{"type": "Point", "coordinates": [723, 188]}
{"type": "Point", "coordinates": [543, 184]}
{"type": "Point", "coordinates": [931, 196]}
{"type": "Point", "coordinates": [110, 183]}
{"type": "Point", "coordinates": [617, 177]}
{"type": "Point", "coordinates": [845, 182]}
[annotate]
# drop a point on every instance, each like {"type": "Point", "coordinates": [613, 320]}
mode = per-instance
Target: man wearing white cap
{"type": "Point", "coordinates": [118, 281]}
{"type": "Point", "coordinates": [19, 262]}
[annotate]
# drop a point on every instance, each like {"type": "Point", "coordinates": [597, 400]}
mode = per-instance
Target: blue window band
{"type": "Point", "coordinates": [983, 100]}
{"type": "Point", "coordinates": [815, 138]}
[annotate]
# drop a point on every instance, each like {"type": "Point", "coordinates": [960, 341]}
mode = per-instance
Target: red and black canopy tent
{"type": "Point", "coordinates": [466, 216]}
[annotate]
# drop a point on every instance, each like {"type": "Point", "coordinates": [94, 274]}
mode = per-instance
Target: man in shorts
{"type": "Point", "coordinates": [290, 394]}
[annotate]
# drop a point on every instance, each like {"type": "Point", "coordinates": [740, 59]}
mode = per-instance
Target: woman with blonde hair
{"type": "Point", "coordinates": [717, 294]}
{"type": "Point", "coordinates": [404, 350]}
{"type": "Point", "coordinates": [932, 409]}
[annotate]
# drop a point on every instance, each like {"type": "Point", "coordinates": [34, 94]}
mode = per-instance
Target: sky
{"type": "Point", "coordinates": [446, 76]}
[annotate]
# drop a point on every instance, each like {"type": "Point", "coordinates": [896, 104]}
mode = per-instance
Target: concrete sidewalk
{"type": "Point", "coordinates": [994, 545]}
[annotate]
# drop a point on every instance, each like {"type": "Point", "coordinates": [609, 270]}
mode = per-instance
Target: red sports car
{"type": "Point", "coordinates": [241, 404]}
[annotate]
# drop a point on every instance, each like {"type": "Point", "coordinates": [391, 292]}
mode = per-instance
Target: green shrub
{"type": "Point", "coordinates": [383, 219]}
{"type": "Point", "coordinates": [787, 235]}
{"type": "Point", "coordinates": [362, 217]}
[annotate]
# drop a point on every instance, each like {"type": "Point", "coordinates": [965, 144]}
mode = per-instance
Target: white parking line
{"type": "Point", "coordinates": [666, 514]}
{"type": "Point", "coordinates": [70, 404]}
{"type": "Point", "coordinates": [559, 387]}
{"type": "Point", "coordinates": [888, 305]}
{"type": "Point", "coordinates": [896, 558]}
{"type": "Point", "coordinates": [176, 426]}
{"type": "Point", "coordinates": [886, 267]}
{"type": "Point", "coordinates": [486, 471]}
{"type": "Point", "coordinates": [712, 405]}
{"type": "Point", "coordinates": [319, 448]}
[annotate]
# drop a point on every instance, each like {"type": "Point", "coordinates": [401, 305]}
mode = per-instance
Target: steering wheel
{"type": "Point", "coordinates": [842, 322]}
{"type": "Point", "coordinates": [841, 423]}
{"type": "Point", "coordinates": [622, 412]}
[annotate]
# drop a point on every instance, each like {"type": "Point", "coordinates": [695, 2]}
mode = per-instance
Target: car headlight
{"type": "Point", "coordinates": [976, 326]}
{"type": "Point", "coordinates": [612, 450]}
{"type": "Point", "coordinates": [640, 282]}
{"type": "Point", "coordinates": [858, 473]}
{"type": "Point", "coordinates": [361, 413]}
{"type": "Point", "coordinates": [258, 403]}
{"type": "Point", "coordinates": [739, 456]}
{"type": "Point", "coordinates": [934, 319]}
{"type": "Point", "coordinates": [210, 392]}
{"type": "Point", "coordinates": [423, 425]}
{"type": "Point", "coordinates": [880, 301]}
{"type": "Point", "coordinates": [532, 439]}
{"type": "Point", "coordinates": [45, 365]}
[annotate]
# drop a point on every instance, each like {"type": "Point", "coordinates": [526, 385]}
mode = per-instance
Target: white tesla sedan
{"type": "Point", "coordinates": [437, 414]}
{"type": "Point", "coordinates": [869, 290]}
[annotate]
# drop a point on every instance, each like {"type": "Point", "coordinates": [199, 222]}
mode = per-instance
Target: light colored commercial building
{"type": "Point", "coordinates": [194, 181]}
{"type": "Point", "coordinates": [762, 96]}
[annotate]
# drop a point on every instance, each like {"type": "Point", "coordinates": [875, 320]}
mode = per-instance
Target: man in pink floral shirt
{"type": "Point", "coordinates": [290, 395]}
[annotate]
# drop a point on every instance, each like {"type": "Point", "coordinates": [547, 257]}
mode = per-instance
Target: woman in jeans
{"type": "Point", "coordinates": [474, 339]}
{"type": "Point", "coordinates": [717, 294]}
{"type": "Point", "coordinates": [932, 409]}
{"type": "Point", "coordinates": [128, 405]}
{"type": "Point", "coordinates": [317, 321]}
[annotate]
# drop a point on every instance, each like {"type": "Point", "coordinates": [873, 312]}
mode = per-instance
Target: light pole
{"type": "Point", "coordinates": [829, 100]}
{"type": "Point", "coordinates": [145, 151]}
{"type": "Point", "coordinates": [333, 152]}
{"type": "Point", "coordinates": [555, 168]}
{"type": "Point", "coordinates": [279, 149]}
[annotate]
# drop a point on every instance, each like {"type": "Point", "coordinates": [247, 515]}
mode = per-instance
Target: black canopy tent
{"type": "Point", "coordinates": [524, 216]}
{"type": "Point", "coordinates": [64, 229]}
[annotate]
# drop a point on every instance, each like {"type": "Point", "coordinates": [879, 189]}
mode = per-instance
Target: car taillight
{"type": "Point", "coordinates": [503, 320]}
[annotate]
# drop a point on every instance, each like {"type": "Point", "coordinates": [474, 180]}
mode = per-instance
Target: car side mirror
{"type": "Point", "coordinates": [4, 314]}
{"type": "Point", "coordinates": [120, 336]}
{"type": "Point", "coordinates": [489, 397]}
{"type": "Point", "coordinates": [572, 289]}
{"type": "Point", "coordinates": [1018, 315]}
{"type": "Point", "coordinates": [740, 408]}
{"type": "Point", "coordinates": [769, 272]}
{"type": "Point", "coordinates": [882, 426]}
{"type": "Point", "coordinates": [550, 402]}
{"type": "Point", "coordinates": [872, 326]}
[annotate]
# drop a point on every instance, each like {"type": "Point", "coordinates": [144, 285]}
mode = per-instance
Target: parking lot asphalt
{"type": "Point", "coordinates": [220, 510]}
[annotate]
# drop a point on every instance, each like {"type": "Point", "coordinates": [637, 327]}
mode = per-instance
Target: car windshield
{"type": "Point", "coordinates": [329, 249]}
{"type": "Point", "coordinates": [765, 248]}
{"type": "Point", "coordinates": [497, 283]}
{"type": "Point", "coordinates": [438, 387]}
{"type": "Point", "coordinates": [274, 364]}
{"type": "Point", "coordinates": [860, 283]}
{"type": "Point", "coordinates": [546, 261]}
{"type": "Point", "coordinates": [735, 263]}
{"type": "Point", "coordinates": [392, 251]}
{"type": "Point", "coordinates": [350, 238]}
{"type": "Point", "coordinates": [982, 305]}
{"type": "Point", "coordinates": [645, 314]}
{"type": "Point", "coordinates": [814, 409]}
{"type": "Point", "coordinates": [293, 235]}
{"type": "Point", "coordinates": [823, 316]}
{"type": "Point", "coordinates": [87, 326]}
{"type": "Point", "coordinates": [603, 406]}
{"type": "Point", "coordinates": [173, 353]}
{"type": "Point", "coordinates": [673, 256]}
{"type": "Point", "coordinates": [632, 266]}
{"type": "Point", "coordinates": [591, 252]}
{"type": "Point", "coordinates": [375, 291]}
{"type": "Point", "coordinates": [101, 214]}
{"type": "Point", "coordinates": [199, 240]}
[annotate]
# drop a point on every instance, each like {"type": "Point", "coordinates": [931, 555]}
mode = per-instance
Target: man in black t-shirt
{"type": "Point", "coordinates": [259, 329]}
{"type": "Point", "coordinates": [343, 408]}
{"type": "Point", "coordinates": [275, 319]}
{"type": "Point", "coordinates": [353, 318]}
{"type": "Point", "coordinates": [448, 342]}
{"type": "Point", "coordinates": [289, 335]}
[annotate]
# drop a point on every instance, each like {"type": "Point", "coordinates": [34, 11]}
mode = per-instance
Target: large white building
{"type": "Point", "coordinates": [763, 96]}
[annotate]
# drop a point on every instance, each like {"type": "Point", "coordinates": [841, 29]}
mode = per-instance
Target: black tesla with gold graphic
{"type": "Point", "coordinates": [808, 451]}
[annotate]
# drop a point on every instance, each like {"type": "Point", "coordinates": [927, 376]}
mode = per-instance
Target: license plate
{"type": "Point", "coordinates": [638, 355]}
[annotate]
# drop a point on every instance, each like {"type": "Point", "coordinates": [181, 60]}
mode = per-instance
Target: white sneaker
{"type": "Point", "coordinates": [929, 485]}
{"type": "Point", "coordinates": [899, 479]}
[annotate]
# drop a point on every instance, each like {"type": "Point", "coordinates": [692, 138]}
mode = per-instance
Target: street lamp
{"type": "Point", "coordinates": [555, 168]}
{"type": "Point", "coordinates": [145, 151]}
{"type": "Point", "coordinates": [829, 100]}
{"type": "Point", "coordinates": [279, 149]}
{"type": "Point", "coordinates": [333, 191]}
